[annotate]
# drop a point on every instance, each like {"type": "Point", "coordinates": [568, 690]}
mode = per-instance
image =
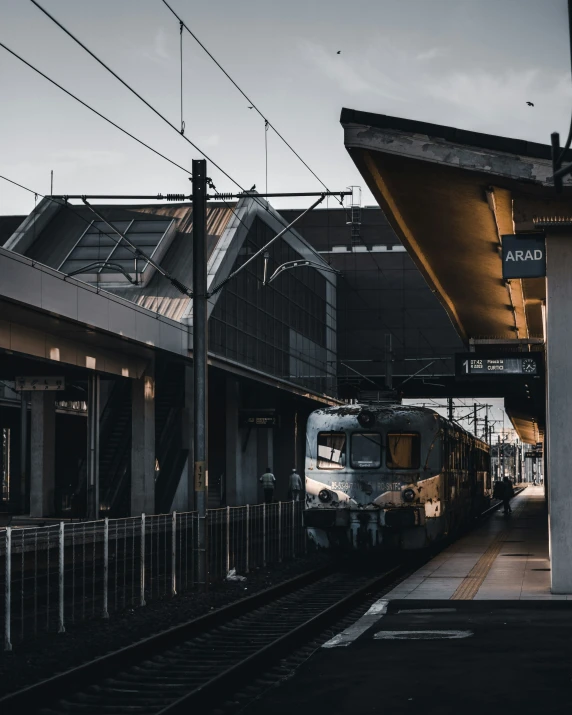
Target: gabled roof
{"type": "Point", "coordinates": [52, 230]}
{"type": "Point", "coordinates": [8, 224]}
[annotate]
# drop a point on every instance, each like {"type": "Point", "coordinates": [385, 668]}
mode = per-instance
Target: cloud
{"type": "Point", "coordinates": [349, 77]}
{"type": "Point", "coordinates": [431, 54]}
{"type": "Point", "coordinates": [212, 140]}
{"type": "Point", "coordinates": [156, 50]}
{"type": "Point", "coordinates": [87, 158]}
{"type": "Point", "coordinates": [160, 44]}
{"type": "Point", "coordinates": [494, 99]}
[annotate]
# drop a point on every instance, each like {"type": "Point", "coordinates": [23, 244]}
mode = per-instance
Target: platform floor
{"type": "Point", "coordinates": [505, 558]}
{"type": "Point", "coordinates": [474, 631]}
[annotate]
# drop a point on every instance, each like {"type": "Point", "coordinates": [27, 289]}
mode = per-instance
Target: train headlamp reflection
{"type": "Point", "coordinates": [408, 495]}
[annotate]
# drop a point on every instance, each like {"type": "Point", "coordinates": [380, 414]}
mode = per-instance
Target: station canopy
{"type": "Point", "coordinates": [450, 195]}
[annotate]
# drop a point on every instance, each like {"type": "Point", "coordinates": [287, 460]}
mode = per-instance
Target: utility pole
{"type": "Point", "coordinates": [450, 409]}
{"type": "Point", "coordinates": [475, 420]}
{"type": "Point", "coordinates": [487, 437]}
{"type": "Point", "coordinates": [200, 348]}
{"type": "Point", "coordinates": [24, 451]}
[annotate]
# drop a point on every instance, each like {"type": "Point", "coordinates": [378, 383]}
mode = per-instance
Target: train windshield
{"type": "Point", "coordinates": [366, 450]}
{"type": "Point", "coordinates": [403, 450]}
{"type": "Point", "coordinates": [331, 450]}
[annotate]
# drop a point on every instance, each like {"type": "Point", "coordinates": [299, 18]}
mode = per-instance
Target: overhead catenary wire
{"type": "Point", "coordinates": [114, 124]}
{"type": "Point", "coordinates": [95, 111]}
{"type": "Point", "coordinates": [181, 52]}
{"type": "Point", "coordinates": [266, 151]}
{"type": "Point", "coordinates": [251, 103]}
{"type": "Point", "coordinates": [141, 98]}
{"type": "Point", "coordinates": [148, 104]}
{"type": "Point", "coordinates": [134, 92]}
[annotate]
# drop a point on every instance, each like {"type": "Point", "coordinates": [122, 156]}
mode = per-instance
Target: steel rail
{"type": "Point", "coordinates": [82, 676]}
{"type": "Point", "coordinates": [238, 675]}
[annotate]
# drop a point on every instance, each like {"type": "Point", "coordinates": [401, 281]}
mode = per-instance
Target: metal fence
{"type": "Point", "coordinates": [52, 576]}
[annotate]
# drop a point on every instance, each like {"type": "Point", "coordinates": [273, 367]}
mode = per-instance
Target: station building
{"type": "Point", "coordinates": [116, 438]}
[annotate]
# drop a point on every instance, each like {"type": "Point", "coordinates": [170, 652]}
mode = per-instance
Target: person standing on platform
{"type": "Point", "coordinates": [268, 483]}
{"type": "Point", "coordinates": [507, 495]}
{"type": "Point", "coordinates": [295, 486]}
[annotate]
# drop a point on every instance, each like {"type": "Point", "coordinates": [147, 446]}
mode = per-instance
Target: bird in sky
{"type": "Point", "coordinates": [530, 104]}
{"type": "Point", "coordinates": [339, 52]}
{"type": "Point", "coordinates": [250, 107]}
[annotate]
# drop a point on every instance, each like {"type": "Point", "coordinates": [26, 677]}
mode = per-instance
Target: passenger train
{"type": "Point", "coordinates": [391, 475]}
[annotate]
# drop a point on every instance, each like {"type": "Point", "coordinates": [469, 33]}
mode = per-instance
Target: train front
{"type": "Point", "coordinates": [373, 476]}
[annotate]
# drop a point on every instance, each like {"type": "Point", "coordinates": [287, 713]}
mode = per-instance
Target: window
{"type": "Point", "coordinates": [366, 450]}
{"type": "Point", "coordinates": [100, 254]}
{"type": "Point", "coordinates": [403, 450]}
{"type": "Point", "coordinates": [331, 450]}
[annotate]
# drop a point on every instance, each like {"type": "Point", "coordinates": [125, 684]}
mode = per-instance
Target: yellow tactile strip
{"type": "Point", "coordinates": [467, 590]}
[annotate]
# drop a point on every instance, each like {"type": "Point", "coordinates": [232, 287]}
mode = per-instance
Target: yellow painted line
{"type": "Point", "coordinates": [467, 590]}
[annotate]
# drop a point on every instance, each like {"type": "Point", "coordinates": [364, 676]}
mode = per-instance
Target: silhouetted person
{"type": "Point", "coordinates": [268, 484]}
{"type": "Point", "coordinates": [507, 495]}
{"type": "Point", "coordinates": [295, 485]}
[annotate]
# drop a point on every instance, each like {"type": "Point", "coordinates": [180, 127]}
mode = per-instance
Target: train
{"type": "Point", "coordinates": [391, 475]}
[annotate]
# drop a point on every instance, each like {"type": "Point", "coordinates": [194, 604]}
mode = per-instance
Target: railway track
{"type": "Point", "coordinates": [199, 664]}
{"type": "Point", "coordinates": [196, 665]}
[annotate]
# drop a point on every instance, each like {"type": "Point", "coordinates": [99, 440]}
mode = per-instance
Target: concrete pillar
{"type": "Point", "coordinates": [24, 452]}
{"type": "Point", "coordinates": [234, 493]}
{"type": "Point", "coordinates": [43, 454]}
{"type": "Point", "coordinates": [93, 419]}
{"type": "Point", "coordinates": [559, 407]}
{"type": "Point", "coordinates": [265, 455]}
{"type": "Point", "coordinates": [143, 444]}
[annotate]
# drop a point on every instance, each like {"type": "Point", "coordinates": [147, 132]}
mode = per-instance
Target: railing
{"type": "Point", "coordinates": [52, 576]}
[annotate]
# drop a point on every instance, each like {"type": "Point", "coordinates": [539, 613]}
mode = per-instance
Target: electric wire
{"type": "Point", "coordinates": [250, 102]}
{"type": "Point", "coordinates": [181, 52]}
{"type": "Point", "coordinates": [133, 91]}
{"type": "Point", "coordinates": [95, 111]}
{"type": "Point", "coordinates": [150, 106]}
{"type": "Point", "coordinates": [266, 151]}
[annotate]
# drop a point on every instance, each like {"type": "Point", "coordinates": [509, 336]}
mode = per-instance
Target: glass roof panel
{"type": "Point", "coordinates": [100, 243]}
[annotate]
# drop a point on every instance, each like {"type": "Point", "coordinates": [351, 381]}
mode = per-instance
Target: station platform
{"type": "Point", "coordinates": [474, 631]}
{"type": "Point", "coordinates": [506, 558]}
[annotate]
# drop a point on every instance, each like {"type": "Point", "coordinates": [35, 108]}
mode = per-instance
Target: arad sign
{"type": "Point", "coordinates": [523, 255]}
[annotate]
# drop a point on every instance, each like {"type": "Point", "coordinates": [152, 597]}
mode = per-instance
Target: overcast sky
{"type": "Point", "coordinates": [467, 63]}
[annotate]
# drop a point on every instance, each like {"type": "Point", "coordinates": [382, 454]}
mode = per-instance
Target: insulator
{"type": "Point", "coordinates": [175, 197]}
{"type": "Point", "coordinates": [223, 197]}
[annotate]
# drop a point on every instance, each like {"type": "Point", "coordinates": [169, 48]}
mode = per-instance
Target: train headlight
{"type": "Point", "coordinates": [366, 418]}
{"type": "Point", "coordinates": [408, 495]}
{"type": "Point", "coordinates": [324, 495]}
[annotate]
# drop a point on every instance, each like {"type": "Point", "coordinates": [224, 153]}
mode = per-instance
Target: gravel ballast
{"type": "Point", "coordinates": [47, 654]}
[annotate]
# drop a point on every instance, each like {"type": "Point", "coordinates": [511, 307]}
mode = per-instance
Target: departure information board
{"type": "Point", "coordinates": [471, 364]}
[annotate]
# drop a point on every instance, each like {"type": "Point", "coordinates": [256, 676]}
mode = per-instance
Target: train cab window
{"type": "Point", "coordinates": [331, 450]}
{"type": "Point", "coordinates": [403, 450]}
{"type": "Point", "coordinates": [366, 450]}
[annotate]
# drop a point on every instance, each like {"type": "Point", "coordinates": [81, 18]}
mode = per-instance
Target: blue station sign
{"type": "Point", "coordinates": [523, 256]}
